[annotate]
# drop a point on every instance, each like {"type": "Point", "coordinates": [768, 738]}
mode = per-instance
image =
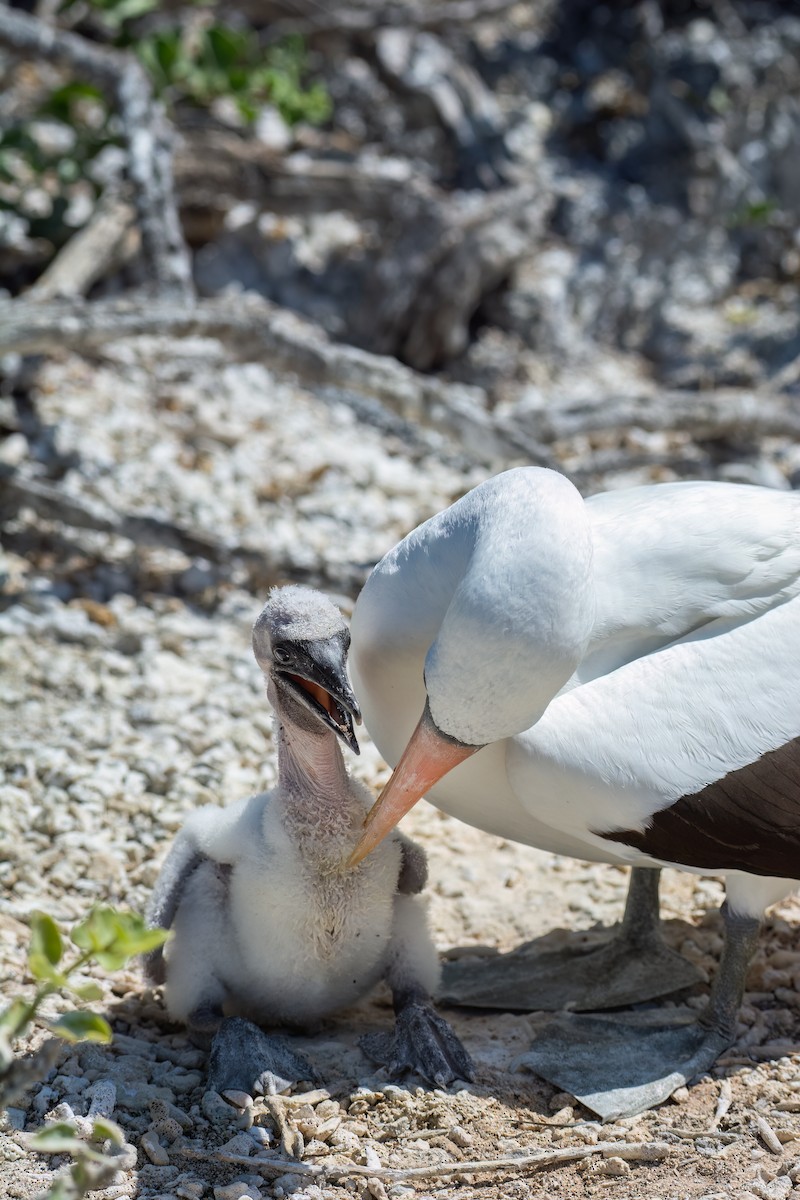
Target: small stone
{"type": "Point", "coordinates": [680, 1095]}
{"type": "Point", "coordinates": [775, 1189]}
{"type": "Point", "coordinates": [327, 1109]}
{"type": "Point", "coordinates": [371, 1159]}
{"type": "Point", "coordinates": [376, 1189]}
{"type": "Point", "coordinates": [153, 1149]}
{"type": "Point", "coordinates": [189, 1189]}
{"type": "Point", "coordinates": [137, 1097]}
{"type": "Point", "coordinates": [459, 1136]}
{"type": "Point", "coordinates": [287, 1184]}
{"type": "Point", "coordinates": [240, 1143]}
{"type": "Point", "coordinates": [259, 1135]}
{"type": "Point", "coordinates": [612, 1166]}
{"type": "Point", "coordinates": [16, 1117]}
{"type": "Point", "coordinates": [61, 1112]}
{"type": "Point", "coordinates": [344, 1139]}
{"type": "Point", "coordinates": [103, 1099]}
{"type": "Point", "coordinates": [216, 1110]}
{"type": "Point", "coordinates": [238, 1190]}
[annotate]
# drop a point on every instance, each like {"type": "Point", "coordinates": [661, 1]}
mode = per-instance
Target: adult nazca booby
{"type": "Point", "coordinates": [268, 924]}
{"type": "Point", "coordinates": [616, 679]}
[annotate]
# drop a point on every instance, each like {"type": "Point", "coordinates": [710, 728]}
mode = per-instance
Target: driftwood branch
{"type": "Point", "coordinates": [541, 1160]}
{"type": "Point", "coordinates": [107, 241]}
{"type": "Point", "coordinates": [147, 134]}
{"type": "Point", "coordinates": [316, 17]}
{"type": "Point", "coordinates": [424, 291]}
{"type": "Point", "coordinates": [418, 64]}
{"type": "Point", "coordinates": [252, 329]}
{"type": "Point", "coordinates": [215, 169]}
{"type": "Point", "coordinates": [725, 412]}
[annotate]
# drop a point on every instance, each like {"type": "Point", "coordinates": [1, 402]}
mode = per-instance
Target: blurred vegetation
{"type": "Point", "coordinates": [108, 937]}
{"type": "Point", "coordinates": [52, 162]}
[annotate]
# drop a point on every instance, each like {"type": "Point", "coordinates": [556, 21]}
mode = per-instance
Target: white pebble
{"type": "Point", "coordinates": [154, 1150]}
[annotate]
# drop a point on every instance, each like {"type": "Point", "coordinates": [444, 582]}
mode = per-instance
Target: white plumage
{"type": "Point", "coordinates": [616, 679]}
{"type": "Point", "coordinates": [610, 655]}
{"type": "Point", "coordinates": [269, 924]}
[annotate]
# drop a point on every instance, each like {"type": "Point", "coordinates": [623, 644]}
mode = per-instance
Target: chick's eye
{"type": "Point", "coordinates": [281, 654]}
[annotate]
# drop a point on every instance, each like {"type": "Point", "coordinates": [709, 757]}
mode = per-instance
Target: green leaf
{"type": "Point", "coordinates": [82, 1027]}
{"type": "Point", "coordinates": [14, 1018]}
{"type": "Point", "coordinates": [105, 1130]}
{"type": "Point", "coordinates": [228, 46]}
{"type": "Point", "coordinates": [44, 972]}
{"type": "Point", "coordinates": [113, 936]}
{"type": "Point", "coordinates": [58, 1138]}
{"type": "Point", "coordinates": [87, 991]}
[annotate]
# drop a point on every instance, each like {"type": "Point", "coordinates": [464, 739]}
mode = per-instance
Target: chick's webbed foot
{"type": "Point", "coordinates": [423, 1042]}
{"type": "Point", "coordinates": [245, 1059]}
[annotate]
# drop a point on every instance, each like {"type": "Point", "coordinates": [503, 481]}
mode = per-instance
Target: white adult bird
{"type": "Point", "coordinates": [269, 926]}
{"type": "Point", "coordinates": [616, 679]}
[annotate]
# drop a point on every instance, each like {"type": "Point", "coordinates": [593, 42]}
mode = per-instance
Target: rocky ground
{"type": "Point", "coordinates": [130, 697]}
{"type": "Point", "coordinates": [587, 214]}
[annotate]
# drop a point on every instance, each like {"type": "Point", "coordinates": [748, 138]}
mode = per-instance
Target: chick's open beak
{"type": "Point", "coordinates": [318, 679]}
{"type": "Point", "coordinates": [428, 757]}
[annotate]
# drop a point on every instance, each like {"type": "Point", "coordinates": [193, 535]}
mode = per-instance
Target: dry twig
{"type": "Point", "coordinates": [544, 1159]}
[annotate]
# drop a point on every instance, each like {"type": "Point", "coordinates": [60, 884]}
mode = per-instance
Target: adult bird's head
{"type": "Point", "coordinates": [495, 595]}
{"type": "Point", "coordinates": [300, 641]}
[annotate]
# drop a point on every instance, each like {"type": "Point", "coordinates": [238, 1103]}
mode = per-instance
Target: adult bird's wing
{"type": "Point", "coordinates": [707, 727]}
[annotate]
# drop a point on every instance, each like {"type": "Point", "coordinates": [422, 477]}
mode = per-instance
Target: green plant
{"type": "Point", "coordinates": [96, 1159]}
{"type": "Point", "coordinates": [108, 937]}
{"type": "Point", "coordinates": [223, 60]}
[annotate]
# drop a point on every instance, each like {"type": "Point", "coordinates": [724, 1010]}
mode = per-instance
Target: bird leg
{"type": "Point", "coordinates": [634, 965]}
{"type": "Point", "coordinates": [727, 990]}
{"type": "Point", "coordinates": [245, 1059]}
{"type": "Point", "coordinates": [422, 1040]}
{"type": "Point", "coordinates": [619, 1068]}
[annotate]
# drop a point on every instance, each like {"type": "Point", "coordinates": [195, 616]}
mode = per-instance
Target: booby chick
{"type": "Point", "coordinates": [269, 926]}
{"type": "Point", "coordinates": [614, 679]}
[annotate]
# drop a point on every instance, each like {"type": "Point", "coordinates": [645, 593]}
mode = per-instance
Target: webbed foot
{"type": "Point", "coordinates": [530, 980]}
{"type": "Point", "coordinates": [423, 1042]}
{"type": "Point", "coordinates": [619, 1068]}
{"type": "Point", "coordinates": [245, 1059]}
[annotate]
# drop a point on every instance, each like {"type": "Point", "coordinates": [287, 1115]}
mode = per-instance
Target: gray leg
{"type": "Point", "coordinates": [641, 921]}
{"type": "Point", "coordinates": [727, 990]}
{"type": "Point", "coordinates": [634, 965]}
{"type": "Point", "coordinates": [422, 1040]}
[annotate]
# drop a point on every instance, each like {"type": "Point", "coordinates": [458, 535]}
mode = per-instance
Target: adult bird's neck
{"type": "Point", "coordinates": [493, 598]}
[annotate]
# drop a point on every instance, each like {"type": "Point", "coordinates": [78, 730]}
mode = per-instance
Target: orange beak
{"type": "Point", "coordinates": [428, 757]}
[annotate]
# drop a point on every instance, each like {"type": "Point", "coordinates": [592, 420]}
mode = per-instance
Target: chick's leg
{"type": "Point", "coordinates": [422, 1041]}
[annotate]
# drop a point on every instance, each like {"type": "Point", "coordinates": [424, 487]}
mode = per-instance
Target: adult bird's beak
{"type": "Point", "coordinates": [429, 756]}
{"type": "Point", "coordinates": [318, 679]}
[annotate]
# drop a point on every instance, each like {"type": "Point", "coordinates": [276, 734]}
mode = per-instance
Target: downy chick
{"type": "Point", "coordinates": [269, 924]}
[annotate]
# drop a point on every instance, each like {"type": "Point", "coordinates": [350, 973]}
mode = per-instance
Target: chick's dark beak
{"type": "Point", "coordinates": [317, 677]}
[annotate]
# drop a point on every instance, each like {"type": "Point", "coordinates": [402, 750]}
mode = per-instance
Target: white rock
{"type": "Point", "coordinates": [153, 1149]}
{"type": "Point", "coordinates": [238, 1190]}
